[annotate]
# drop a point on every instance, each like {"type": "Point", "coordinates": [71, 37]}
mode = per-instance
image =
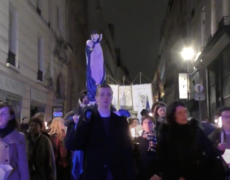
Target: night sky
{"type": "Point", "coordinates": [137, 32]}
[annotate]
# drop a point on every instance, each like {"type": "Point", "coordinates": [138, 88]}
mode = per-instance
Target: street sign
{"type": "Point", "coordinates": [199, 88]}
{"type": "Point", "coordinates": [199, 96]}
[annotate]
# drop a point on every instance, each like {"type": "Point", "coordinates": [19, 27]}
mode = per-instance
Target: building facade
{"type": "Point", "coordinates": [76, 18]}
{"type": "Point", "coordinates": [33, 57]}
{"type": "Point", "coordinates": [202, 25]}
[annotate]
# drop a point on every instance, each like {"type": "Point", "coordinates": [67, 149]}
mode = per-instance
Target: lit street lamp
{"type": "Point", "coordinates": [187, 54]}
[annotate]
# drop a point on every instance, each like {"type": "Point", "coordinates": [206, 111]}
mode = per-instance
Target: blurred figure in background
{"type": "Point", "coordinates": [153, 109]}
{"type": "Point", "coordinates": [41, 117]}
{"type": "Point", "coordinates": [159, 115]}
{"type": "Point", "coordinates": [40, 152]}
{"type": "Point", "coordinates": [62, 155]}
{"type": "Point", "coordinates": [83, 102]}
{"type": "Point", "coordinates": [24, 125]}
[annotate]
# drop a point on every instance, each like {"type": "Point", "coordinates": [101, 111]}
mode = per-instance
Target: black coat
{"type": "Point", "coordinates": [145, 160]}
{"type": "Point", "coordinates": [185, 151]}
{"type": "Point", "coordinates": [98, 152]}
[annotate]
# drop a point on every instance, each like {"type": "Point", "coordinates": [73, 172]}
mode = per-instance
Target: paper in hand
{"type": "Point", "coordinates": [226, 156]}
{"type": "Point", "coordinates": [5, 171]}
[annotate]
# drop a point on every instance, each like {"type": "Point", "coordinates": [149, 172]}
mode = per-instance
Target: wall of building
{"type": "Point", "coordinates": [76, 11]}
{"type": "Point", "coordinates": [21, 28]}
{"type": "Point", "coordinates": [205, 29]}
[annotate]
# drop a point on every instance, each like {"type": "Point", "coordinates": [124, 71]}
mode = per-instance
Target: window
{"type": "Point", "coordinates": [39, 5]}
{"type": "Point", "coordinates": [12, 38]}
{"type": "Point", "coordinates": [40, 59]}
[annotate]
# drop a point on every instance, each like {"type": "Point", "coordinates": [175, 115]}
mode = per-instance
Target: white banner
{"type": "Point", "coordinates": [125, 97]}
{"type": "Point", "coordinates": [183, 85]}
{"type": "Point", "coordinates": [142, 97]}
{"type": "Point", "coordinates": [115, 101]}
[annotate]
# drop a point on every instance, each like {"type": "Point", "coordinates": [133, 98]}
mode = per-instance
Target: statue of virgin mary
{"type": "Point", "coordinates": [95, 65]}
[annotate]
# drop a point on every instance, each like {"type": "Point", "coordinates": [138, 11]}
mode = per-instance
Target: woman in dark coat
{"type": "Point", "coordinates": [184, 151]}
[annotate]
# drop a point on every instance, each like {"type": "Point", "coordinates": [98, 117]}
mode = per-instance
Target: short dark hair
{"type": "Point", "coordinates": [222, 109]}
{"type": "Point", "coordinates": [144, 112]}
{"type": "Point", "coordinates": [13, 122]}
{"type": "Point", "coordinates": [171, 109]}
{"type": "Point", "coordinates": [103, 86]}
{"type": "Point", "coordinates": [83, 94]}
{"type": "Point", "coordinates": [146, 117]}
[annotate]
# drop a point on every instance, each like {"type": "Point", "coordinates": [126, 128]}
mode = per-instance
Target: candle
{"type": "Point", "coordinates": [133, 132]}
{"type": "Point", "coordinates": [46, 125]}
{"type": "Point", "coordinates": [222, 137]}
{"type": "Point", "coordinates": [220, 122]}
{"type": "Point", "coordinates": [140, 132]}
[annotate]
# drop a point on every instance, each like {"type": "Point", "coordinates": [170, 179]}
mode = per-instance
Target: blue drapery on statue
{"type": "Point", "coordinates": [98, 65]}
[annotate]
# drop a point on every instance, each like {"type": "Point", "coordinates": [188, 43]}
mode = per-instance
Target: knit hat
{"type": "Point", "coordinates": [37, 120]}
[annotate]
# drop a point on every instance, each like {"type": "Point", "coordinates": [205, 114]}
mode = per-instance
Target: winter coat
{"type": "Point", "coordinates": [41, 158]}
{"type": "Point", "coordinates": [101, 151]}
{"type": "Point", "coordinates": [185, 151]}
{"type": "Point", "coordinates": [215, 138]}
{"type": "Point", "coordinates": [13, 153]}
{"type": "Point", "coordinates": [146, 162]}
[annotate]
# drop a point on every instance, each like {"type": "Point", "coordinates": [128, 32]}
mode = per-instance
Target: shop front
{"type": "Point", "coordinates": [12, 91]}
{"type": "Point", "coordinates": [38, 101]}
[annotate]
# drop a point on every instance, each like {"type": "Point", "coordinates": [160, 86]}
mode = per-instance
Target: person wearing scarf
{"type": "Point", "coordinates": [146, 147]}
{"type": "Point", "coordinates": [12, 146]}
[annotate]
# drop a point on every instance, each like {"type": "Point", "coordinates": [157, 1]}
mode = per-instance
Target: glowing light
{"type": "Point", "coordinates": [140, 132]}
{"type": "Point", "coordinates": [133, 132]}
{"type": "Point", "coordinates": [46, 125]}
{"type": "Point", "coordinates": [150, 114]}
{"type": "Point", "coordinates": [220, 122]}
{"type": "Point", "coordinates": [187, 53]}
{"type": "Point", "coordinates": [197, 56]}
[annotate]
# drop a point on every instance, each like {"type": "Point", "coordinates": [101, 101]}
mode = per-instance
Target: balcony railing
{"type": "Point", "coordinates": [225, 21]}
{"type": "Point", "coordinates": [11, 58]}
{"type": "Point", "coordinates": [40, 75]}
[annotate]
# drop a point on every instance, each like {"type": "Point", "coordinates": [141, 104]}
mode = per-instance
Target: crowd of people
{"type": "Point", "coordinates": [95, 143]}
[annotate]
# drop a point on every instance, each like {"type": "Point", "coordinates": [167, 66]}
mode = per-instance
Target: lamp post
{"type": "Point", "coordinates": [187, 55]}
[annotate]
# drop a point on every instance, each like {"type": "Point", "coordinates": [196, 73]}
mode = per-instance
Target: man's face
{"type": "Point", "coordinates": [104, 97]}
{"type": "Point", "coordinates": [34, 128]}
{"type": "Point", "coordinates": [225, 116]}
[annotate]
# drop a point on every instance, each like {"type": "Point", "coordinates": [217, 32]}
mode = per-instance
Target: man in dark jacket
{"type": "Point", "coordinates": [105, 139]}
